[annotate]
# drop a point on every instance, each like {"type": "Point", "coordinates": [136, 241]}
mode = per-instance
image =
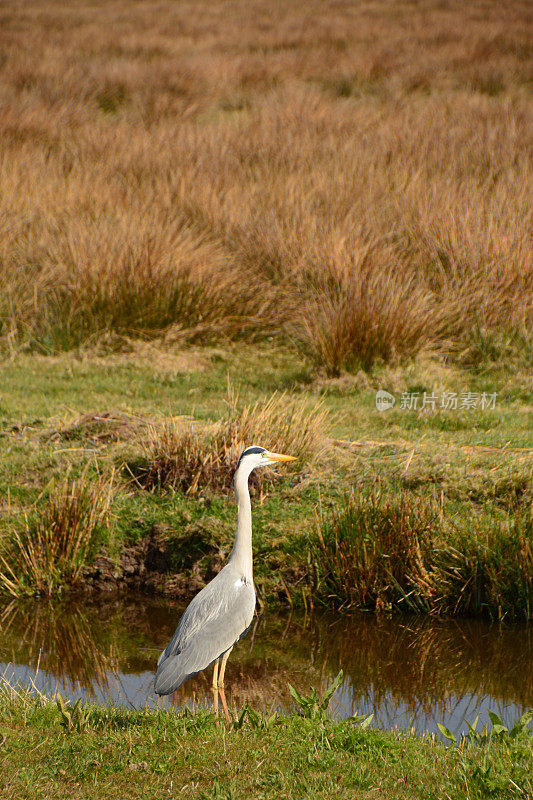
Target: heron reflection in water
{"type": "Point", "coordinates": [221, 613]}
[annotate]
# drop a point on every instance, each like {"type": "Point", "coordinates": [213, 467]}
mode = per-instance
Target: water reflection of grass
{"type": "Point", "coordinates": [61, 639]}
{"type": "Point", "coordinates": [420, 663]}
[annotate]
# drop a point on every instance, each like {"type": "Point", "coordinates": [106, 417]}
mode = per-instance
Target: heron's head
{"type": "Point", "coordinates": [254, 457]}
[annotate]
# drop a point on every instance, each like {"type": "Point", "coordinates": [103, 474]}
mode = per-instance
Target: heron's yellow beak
{"type": "Point", "coordinates": [278, 456]}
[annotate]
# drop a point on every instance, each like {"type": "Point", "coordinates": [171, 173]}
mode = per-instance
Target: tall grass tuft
{"type": "Point", "coordinates": [488, 570]}
{"type": "Point", "coordinates": [48, 554]}
{"type": "Point", "coordinates": [374, 551]}
{"type": "Point", "coordinates": [139, 282]}
{"type": "Point", "coordinates": [373, 316]}
{"type": "Point", "coordinates": [399, 552]}
{"type": "Point", "coordinates": [192, 460]}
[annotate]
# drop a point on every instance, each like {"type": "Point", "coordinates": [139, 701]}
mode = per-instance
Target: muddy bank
{"type": "Point", "coordinates": [158, 564]}
{"type": "Point", "coordinates": [172, 566]}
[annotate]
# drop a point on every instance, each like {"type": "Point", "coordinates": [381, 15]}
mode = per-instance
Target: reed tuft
{"type": "Point", "coordinates": [374, 552]}
{"type": "Point", "coordinates": [192, 460]}
{"type": "Point", "coordinates": [388, 552]}
{"type": "Point", "coordinates": [48, 554]}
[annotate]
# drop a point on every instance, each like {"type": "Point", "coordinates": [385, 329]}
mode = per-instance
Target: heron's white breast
{"type": "Point", "coordinates": [239, 582]}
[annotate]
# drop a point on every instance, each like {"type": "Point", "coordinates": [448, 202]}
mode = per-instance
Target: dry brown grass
{"type": "Point", "coordinates": [195, 460]}
{"type": "Point", "coordinates": [358, 173]}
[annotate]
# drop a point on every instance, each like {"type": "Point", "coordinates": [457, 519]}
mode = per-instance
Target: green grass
{"type": "Point", "coordinates": [102, 752]}
{"type": "Point", "coordinates": [89, 414]}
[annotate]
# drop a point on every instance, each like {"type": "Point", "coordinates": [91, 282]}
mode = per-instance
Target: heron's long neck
{"type": "Point", "coordinates": [241, 555]}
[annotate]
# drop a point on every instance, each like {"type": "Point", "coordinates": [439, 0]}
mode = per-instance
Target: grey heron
{"type": "Point", "coordinates": [221, 613]}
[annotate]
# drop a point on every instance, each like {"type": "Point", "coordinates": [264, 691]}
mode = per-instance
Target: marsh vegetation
{"type": "Point", "coordinates": [233, 221]}
{"type": "Point", "coordinates": [355, 179]}
{"type": "Point", "coordinates": [221, 224]}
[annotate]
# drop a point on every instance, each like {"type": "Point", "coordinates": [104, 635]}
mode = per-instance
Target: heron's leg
{"type": "Point", "coordinates": [214, 687]}
{"type": "Point", "coordinates": [221, 685]}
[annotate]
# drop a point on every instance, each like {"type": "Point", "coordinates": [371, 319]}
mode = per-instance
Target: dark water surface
{"type": "Point", "coordinates": [407, 671]}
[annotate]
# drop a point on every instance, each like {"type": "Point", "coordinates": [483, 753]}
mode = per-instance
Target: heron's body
{"type": "Point", "coordinates": [214, 621]}
{"type": "Point", "coordinates": [222, 612]}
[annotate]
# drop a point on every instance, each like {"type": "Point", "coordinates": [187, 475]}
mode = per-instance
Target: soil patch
{"type": "Point", "coordinates": [176, 566]}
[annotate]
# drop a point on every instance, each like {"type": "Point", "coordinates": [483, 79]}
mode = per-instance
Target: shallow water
{"type": "Point", "coordinates": [408, 672]}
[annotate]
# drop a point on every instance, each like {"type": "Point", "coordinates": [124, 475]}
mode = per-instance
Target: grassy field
{"type": "Point", "coordinates": [353, 175]}
{"type": "Point", "coordinates": [428, 510]}
{"type": "Point", "coordinates": [232, 223]}
{"type": "Point", "coordinates": [98, 752]}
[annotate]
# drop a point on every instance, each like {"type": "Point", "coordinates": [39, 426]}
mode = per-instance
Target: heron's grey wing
{"type": "Point", "coordinates": [213, 622]}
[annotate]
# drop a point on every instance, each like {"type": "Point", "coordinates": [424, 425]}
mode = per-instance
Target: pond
{"type": "Point", "coordinates": [410, 672]}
